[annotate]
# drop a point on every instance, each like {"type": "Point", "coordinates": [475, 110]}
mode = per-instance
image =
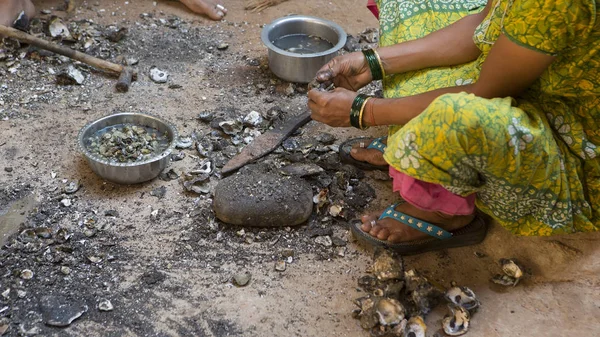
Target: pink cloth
{"type": "Point", "coordinates": [431, 197]}
{"type": "Point", "coordinates": [372, 6]}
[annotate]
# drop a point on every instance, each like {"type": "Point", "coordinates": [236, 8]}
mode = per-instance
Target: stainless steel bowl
{"type": "Point", "coordinates": [128, 173]}
{"type": "Point", "coordinates": [301, 68]}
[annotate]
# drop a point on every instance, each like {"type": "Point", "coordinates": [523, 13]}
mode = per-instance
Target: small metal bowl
{"type": "Point", "coordinates": [128, 173]}
{"type": "Point", "coordinates": [301, 68]}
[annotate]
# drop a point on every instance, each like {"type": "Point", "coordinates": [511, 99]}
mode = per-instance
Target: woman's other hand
{"type": "Point", "coordinates": [331, 107]}
{"type": "Point", "coordinates": [349, 71]}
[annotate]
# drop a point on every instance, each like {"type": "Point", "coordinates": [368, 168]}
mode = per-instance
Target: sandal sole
{"type": "Point", "coordinates": [346, 158]}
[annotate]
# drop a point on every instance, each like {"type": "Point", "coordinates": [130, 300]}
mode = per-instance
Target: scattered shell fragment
{"type": "Point", "coordinates": [168, 175]}
{"type": "Point", "coordinates": [456, 323]}
{"type": "Point", "coordinates": [177, 156]}
{"type": "Point", "coordinates": [253, 119]}
{"type": "Point", "coordinates": [197, 183]}
{"type": "Point", "coordinates": [280, 266]}
{"type": "Point", "coordinates": [335, 210]}
{"type": "Point", "coordinates": [222, 46]}
{"type": "Point", "coordinates": [116, 35]}
{"type": "Point", "coordinates": [65, 270]}
{"type": "Point", "coordinates": [231, 127]}
{"type": "Point", "coordinates": [66, 202]}
{"type": "Point", "coordinates": [242, 279]}
{"type": "Point", "coordinates": [205, 167]}
{"type": "Point", "coordinates": [70, 76]}
{"type": "Point", "coordinates": [204, 147]}
{"type": "Point", "coordinates": [158, 76]}
{"type": "Point", "coordinates": [43, 232]}
{"type": "Point", "coordinates": [72, 187]}
{"type": "Point", "coordinates": [105, 305]}
{"type": "Point", "coordinates": [389, 311]}
{"type": "Point", "coordinates": [462, 297]}
{"type": "Point", "coordinates": [184, 143]}
{"type": "Point", "coordinates": [415, 327]}
{"type": "Point", "coordinates": [57, 28]}
{"type": "Point", "coordinates": [324, 241]}
{"type": "Point", "coordinates": [26, 274]}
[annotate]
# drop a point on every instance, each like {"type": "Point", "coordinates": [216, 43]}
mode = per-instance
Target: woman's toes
{"type": "Point", "coordinates": [395, 237]}
{"type": "Point", "coordinates": [383, 234]}
{"type": "Point", "coordinates": [375, 230]}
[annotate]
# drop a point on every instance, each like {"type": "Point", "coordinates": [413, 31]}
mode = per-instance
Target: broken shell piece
{"type": "Point", "coordinates": [205, 167]}
{"type": "Point", "coordinates": [158, 76]}
{"type": "Point", "coordinates": [415, 327]}
{"type": "Point", "coordinates": [253, 119]}
{"type": "Point", "coordinates": [43, 232]}
{"type": "Point", "coordinates": [204, 147]}
{"type": "Point", "coordinates": [105, 305]}
{"type": "Point", "coordinates": [197, 183]}
{"type": "Point", "coordinates": [280, 265]}
{"type": "Point", "coordinates": [335, 210]}
{"type": "Point", "coordinates": [389, 312]}
{"type": "Point", "coordinates": [321, 199]}
{"type": "Point", "coordinates": [116, 35]}
{"type": "Point", "coordinates": [184, 143]}
{"type": "Point", "coordinates": [387, 266]}
{"type": "Point", "coordinates": [231, 127]}
{"type": "Point", "coordinates": [505, 280]}
{"type": "Point", "coordinates": [26, 274]}
{"type": "Point", "coordinates": [71, 76]}
{"type": "Point", "coordinates": [177, 156]}
{"type": "Point", "coordinates": [72, 187]}
{"type": "Point", "coordinates": [457, 322]}
{"type": "Point", "coordinates": [511, 268]}
{"type": "Point", "coordinates": [57, 28]}
{"type": "Point", "coordinates": [242, 279]}
{"type": "Point", "coordinates": [462, 297]}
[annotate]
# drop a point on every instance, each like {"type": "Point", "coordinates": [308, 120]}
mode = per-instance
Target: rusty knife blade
{"type": "Point", "coordinates": [266, 143]}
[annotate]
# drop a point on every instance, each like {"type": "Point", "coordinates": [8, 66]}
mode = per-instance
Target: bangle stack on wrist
{"type": "Point", "coordinates": [357, 110]}
{"type": "Point", "coordinates": [374, 62]}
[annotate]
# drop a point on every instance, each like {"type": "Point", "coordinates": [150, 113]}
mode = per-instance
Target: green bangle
{"type": "Point", "coordinates": [374, 64]}
{"type": "Point", "coordinates": [357, 105]}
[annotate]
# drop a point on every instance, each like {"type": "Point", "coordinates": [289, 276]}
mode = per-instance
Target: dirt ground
{"type": "Point", "coordinates": [165, 263]}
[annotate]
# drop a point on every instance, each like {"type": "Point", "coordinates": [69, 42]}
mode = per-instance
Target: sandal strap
{"type": "Point", "coordinates": [420, 225]}
{"type": "Point", "coordinates": [377, 144]}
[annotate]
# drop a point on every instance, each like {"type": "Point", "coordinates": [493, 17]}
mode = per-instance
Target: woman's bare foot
{"type": "Point", "coordinates": [371, 156]}
{"type": "Point", "coordinates": [11, 9]}
{"type": "Point", "coordinates": [394, 231]}
{"type": "Point", "coordinates": [209, 8]}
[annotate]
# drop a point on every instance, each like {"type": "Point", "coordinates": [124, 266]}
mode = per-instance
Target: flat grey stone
{"type": "Point", "coordinates": [263, 200]}
{"type": "Point", "coordinates": [58, 311]}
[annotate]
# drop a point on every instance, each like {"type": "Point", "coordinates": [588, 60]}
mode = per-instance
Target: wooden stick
{"type": "Point", "coordinates": [68, 52]}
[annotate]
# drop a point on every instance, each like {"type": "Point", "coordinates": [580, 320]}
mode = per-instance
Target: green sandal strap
{"type": "Point", "coordinates": [420, 225]}
{"type": "Point", "coordinates": [377, 144]}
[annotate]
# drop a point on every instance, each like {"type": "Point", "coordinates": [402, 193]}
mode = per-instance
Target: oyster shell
{"type": "Point", "coordinates": [231, 127]}
{"type": "Point", "coordinates": [389, 312]}
{"type": "Point", "coordinates": [462, 297]}
{"type": "Point", "coordinates": [457, 322]}
{"type": "Point", "coordinates": [158, 76]}
{"type": "Point", "coordinates": [511, 268]}
{"type": "Point", "coordinates": [424, 294]}
{"type": "Point", "coordinates": [184, 143]}
{"type": "Point", "coordinates": [197, 183]}
{"type": "Point", "coordinates": [204, 147]}
{"type": "Point", "coordinates": [415, 327]}
{"type": "Point", "coordinates": [387, 266]}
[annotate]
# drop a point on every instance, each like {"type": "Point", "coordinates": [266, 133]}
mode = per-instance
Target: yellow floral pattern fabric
{"type": "Point", "coordinates": [533, 160]}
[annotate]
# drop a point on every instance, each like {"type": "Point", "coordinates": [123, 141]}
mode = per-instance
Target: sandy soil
{"type": "Point", "coordinates": [170, 274]}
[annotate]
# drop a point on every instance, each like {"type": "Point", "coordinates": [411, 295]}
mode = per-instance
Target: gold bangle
{"type": "Point", "coordinates": [360, 114]}
{"type": "Point", "coordinates": [380, 63]}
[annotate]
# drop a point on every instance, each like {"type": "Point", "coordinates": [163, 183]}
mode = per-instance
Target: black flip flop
{"type": "Point", "coordinates": [471, 234]}
{"type": "Point", "coordinates": [346, 157]}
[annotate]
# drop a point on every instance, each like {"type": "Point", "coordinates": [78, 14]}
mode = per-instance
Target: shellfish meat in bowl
{"type": "Point", "coordinates": [128, 147]}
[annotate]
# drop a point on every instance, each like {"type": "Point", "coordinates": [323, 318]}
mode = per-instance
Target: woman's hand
{"type": "Point", "coordinates": [350, 71]}
{"type": "Point", "coordinates": [331, 107]}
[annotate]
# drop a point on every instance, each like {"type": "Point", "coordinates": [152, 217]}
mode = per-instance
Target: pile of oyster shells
{"type": "Point", "coordinates": [398, 301]}
{"type": "Point", "coordinates": [127, 143]}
